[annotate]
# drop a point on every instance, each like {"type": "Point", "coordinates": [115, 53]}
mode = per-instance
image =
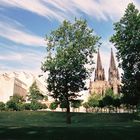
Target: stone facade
{"type": "Point", "coordinates": [100, 84]}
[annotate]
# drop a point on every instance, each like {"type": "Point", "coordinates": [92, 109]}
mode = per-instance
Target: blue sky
{"type": "Point", "coordinates": [24, 24]}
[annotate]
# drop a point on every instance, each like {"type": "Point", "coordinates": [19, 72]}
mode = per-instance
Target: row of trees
{"type": "Point", "coordinates": [17, 103]}
{"type": "Point", "coordinates": [107, 103]}
{"type": "Point", "coordinates": [75, 104]}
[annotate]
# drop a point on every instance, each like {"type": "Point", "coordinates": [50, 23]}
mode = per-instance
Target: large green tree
{"type": "Point", "coordinates": [69, 48]}
{"type": "Point", "coordinates": [127, 42]}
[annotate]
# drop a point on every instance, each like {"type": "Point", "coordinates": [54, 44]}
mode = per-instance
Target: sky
{"type": "Point", "coordinates": [24, 24]}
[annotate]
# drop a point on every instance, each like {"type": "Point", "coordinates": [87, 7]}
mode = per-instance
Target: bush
{"type": "Point", "coordinates": [12, 105]}
{"type": "Point", "coordinates": [35, 105]}
{"type": "Point", "coordinates": [27, 106]}
{"type": "Point", "coordinates": [44, 106]}
{"type": "Point", "coordinates": [53, 105]}
{"type": "Point", "coordinates": [76, 103]}
{"type": "Point", "coordinates": [2, 106]}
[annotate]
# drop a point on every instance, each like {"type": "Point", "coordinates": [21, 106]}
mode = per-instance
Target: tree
{"type": "Point", "coordinates": [93, 100]}
{"type": "Point", "coordinates": [116, 103]}
{"type": "Point", "coordinates": [35, 105]}
{"type": "Point", "coordinates": [108, 99]}
{"type": "Point", "coordinates": [86, 106]}
{"type": "Point", "coordinates": [2, 106]}
{"type": "Point", "coordinates": [15, 103]}
{"type": "Point", "coordinates": [69, 48]}
{"type": "Point", "coordinates": [76, 104]}
{"type": "Point", "coordinates": [127, 42]}
{"type": "Point", "coordinates": [34, 93]}
{"type": "Point", "coordinates": [53, 105]}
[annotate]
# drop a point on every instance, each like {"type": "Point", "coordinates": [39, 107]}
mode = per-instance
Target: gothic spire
{"type": "Point", "coordinates": [99, 64]}
{"type": "Point", "coordinates": [113, 71]}
{"type": "Point", "coordinates": [99, 72]}
{"type": "Point", "coordinates": [112, 61]}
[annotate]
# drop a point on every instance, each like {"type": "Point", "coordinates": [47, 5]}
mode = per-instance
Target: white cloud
{"type": "Point", "coordinates": [66, 9]}
{"type": "Point", "coordinates": [21, 61]}
{"type": "Point", "coordinates": [16, 32]}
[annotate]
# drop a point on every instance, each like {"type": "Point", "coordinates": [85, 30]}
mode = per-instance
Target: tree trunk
{"type": "Point", "coordinates": [68, 115]}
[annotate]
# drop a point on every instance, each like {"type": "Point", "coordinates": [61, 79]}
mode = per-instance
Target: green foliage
{"type": "Point", "coordinates": [63, 104]}
{"type": "Point", "coordinates": [44, 106]}
{"type": "Point", "coordinates": [109, 92]}
{"type": "Point", "coordinates": [34, 93]}
{"type": "Point", "coordinates": [93, 100]}
{"type": "Point", "coordinates": [76, 103]}
{"type": "Point", "coordinates": [27, 106]}
{"type": "Point", "coordinates": [101, 104]}
{"type": "Point", "coordinates": [15, 103]}
{"type": "Point", "coordinates": [2, 106]}
{"type": "Point", "coordinates": [107, 100]}
{"type": "Point", "coordinates": [35, 105]}
{"type": "Point", "coordinates": [53, 105]}
{"type": "Point", "coordinates": [69, 48]}
{"type": "Point", "coordinates": [117, 102]}
{"type": "Point", "coordinates": [127, 43]}
{"type": "Point", "coordinates": [86, 105]}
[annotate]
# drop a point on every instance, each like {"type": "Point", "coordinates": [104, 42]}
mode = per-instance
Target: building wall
{"type": "Point", "coordinates": [6, 88]}
{"type": "Point", "coordinates": [10, 86]}
{"type": "Point", "coordinates": [20, 88]}
{"type": "Point", "coordinates": [99, 87]}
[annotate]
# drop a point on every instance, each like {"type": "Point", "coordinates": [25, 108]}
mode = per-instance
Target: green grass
{"type": "Point", "coordinates": [51, 126]}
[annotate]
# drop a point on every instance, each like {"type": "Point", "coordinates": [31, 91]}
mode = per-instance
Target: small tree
{"type": "Point", "coordinates": [108, 99]}
{"type": "Point", "coordinates": [93, 100]}
{"type": "Point", "coordinates": [53, 105]}
{"type": "Point", "coordinates": [101, 104]}
{"type": "Point", "coordinates": [86, 106]}
{"type": "Point", "coordinates": [116, 103]}
{"type": "Point", "coordinates": [2, 106]}
{"type": "Point", "coordinates": [15, 103]}
{"type": "Point", "coordinates": [69, 48]}
{"type": "Point", "coordinates": [76, 103]}
{"type": "Point", "coordinates": [34, 93]}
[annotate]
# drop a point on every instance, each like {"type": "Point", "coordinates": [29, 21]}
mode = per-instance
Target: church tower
{"type": "Point", "coordinates": [99, 72]}
{"type": "Point", "coordinates": [99, 85]}
{"type": "Point", "coordinates": [113, 75]}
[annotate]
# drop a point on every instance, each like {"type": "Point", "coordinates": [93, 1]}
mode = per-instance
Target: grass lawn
{"type": "Point", "coordinates": [29, 125]}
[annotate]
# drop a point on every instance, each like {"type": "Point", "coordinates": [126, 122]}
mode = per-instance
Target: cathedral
{"type": "Point", "coordinates": [100, 84]}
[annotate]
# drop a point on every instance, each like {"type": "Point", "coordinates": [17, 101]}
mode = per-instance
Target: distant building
{"type": "Point", "coordinates": [10, 86]}
{"type": "Point", "coordinates": [18, 83]}
{"type": "Point", "coordinates": [100, 84]}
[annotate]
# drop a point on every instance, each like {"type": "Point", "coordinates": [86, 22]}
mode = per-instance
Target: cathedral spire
{"type": "Point", "coordinates": [99, 72]}
{"type": "Point", "coordinates": [112, 61]}
{"type": "Point", "coordinates": [113, 71]}
{"type": "Point", "coordinates": [99, 64]}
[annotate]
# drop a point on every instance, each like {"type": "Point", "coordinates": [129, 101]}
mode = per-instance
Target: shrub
{"type": "Point", "coordinates": [44, 106]}
{"type": "Point", "coordinates": [11, 105]}
{"type": "Point", "coordinates": [35, 105]}
{"type": "Point", "coordinates": [2, 106]}
{"type": "Point", "coordinates": [27, 106]}
{"type": "Point", "coordinates": [53, 105]}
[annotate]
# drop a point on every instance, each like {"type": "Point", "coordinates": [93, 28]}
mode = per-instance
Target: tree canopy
{"type": "Point", "coordinates": [34, 93]}
{"type": "Point", "coordinates": [127, 42]}
{"type": "Point", "coordinates": [69, 49]}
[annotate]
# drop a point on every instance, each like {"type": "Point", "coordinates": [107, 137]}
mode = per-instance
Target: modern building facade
{"type": "Point", "coordinates": [18, 83]}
